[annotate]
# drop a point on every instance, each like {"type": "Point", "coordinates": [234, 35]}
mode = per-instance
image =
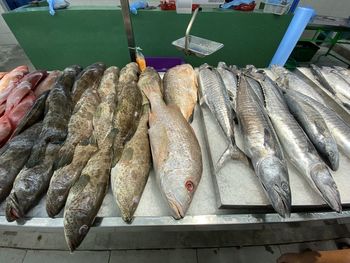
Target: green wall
{"type": "Point", "coordinates": [83, 35]}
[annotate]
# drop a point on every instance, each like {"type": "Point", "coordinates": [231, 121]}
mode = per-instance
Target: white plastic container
{"type": "Point", "coordinates": [275, 8]}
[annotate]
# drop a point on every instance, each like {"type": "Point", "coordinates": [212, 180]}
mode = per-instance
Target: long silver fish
{"type": "Point", "coordinates": [334, 82]}
{"type": "Point", "coordinates": [297, 146]}
{"type": "Point", "coordinates": [316, 129]}
{"type": "Point", "coordinates": [338, 127]}
{"type": "Point", "coordinates": [214, 95]}
{"type": "Point", "coordinates": [263, 147]}
{"type": "Point", "coordinates": [230, 80]}
{"type": "Point", "coordinates": [288, 80]}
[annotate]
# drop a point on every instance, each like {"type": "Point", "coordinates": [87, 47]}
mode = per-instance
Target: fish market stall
{"type": "Point", "coordinates": [228, 208]}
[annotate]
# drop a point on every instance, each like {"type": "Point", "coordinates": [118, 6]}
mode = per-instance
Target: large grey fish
{"type": "Point", "coordinates": [14, 155]}
{"type": "Point", "coordinates": [86, 195]}
{"type": "Point", "coordinates": [31, 184]}
{"type": "Point", "coordinates": [315, 127]}
{"type": "Point", "coordinates": [230, 80]}
{"type": "Point", "coordinates": [338, 127]}
{"type": "Point", "coordinates": [254, 84]}
{"type": "Point", "coordinates": [71, 159]}
{"type": "Point", "coordinates": [58, 110]}
{"type": "Point", "coordinates": [176, 153]}
{"type": "Point", "coordinates": [334, 82]}
{"type": "Point", "coordinates": [180, 88]}
{"type": "Point", "coordinates": [129, 176]}
{"type": "Point", "coordinates": [288, 80]}
{"type": "Point", "coordinates": [262, 146]}
{"type": "Point", "coordinates": [34, 115]}
{"type": "Point", "coordinates": [297, 146]}
{"type": "Point", "coordinates": [214, 95]}
{"type": "Point", "coordinates": [127, 112]}
{"type": "Point", "coordinates": [89, 77]}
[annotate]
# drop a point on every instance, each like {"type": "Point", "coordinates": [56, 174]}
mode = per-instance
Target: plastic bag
{"type": "Point", "coordinates": [56, 4]}
{"type": "Point", "coordinates": [137, 5]}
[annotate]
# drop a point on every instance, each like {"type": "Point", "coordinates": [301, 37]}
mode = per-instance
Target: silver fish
{"type": "Point", "coordinates": [338, 127]}
{"type": "Point", "coordinates": [298, 147]}
{"type": "Point", "coordinates": [288, 80]}
{"type": "Point", "coordinates": [214, 95]}
{"type": "Point", "coordinates": [334, 82]}
{"type": "Point", "coordinates": [344, 72]}
{"type": "Point", "coordinates": [316, 129]}
{"type": "Point", "coordinates": [230, 80]}
{"type": "Point", "coordinates": [263, 147]}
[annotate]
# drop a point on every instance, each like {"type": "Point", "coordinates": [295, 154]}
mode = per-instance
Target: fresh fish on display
{"type": "Point", "coordinates": [13, 77]}
{"type": "Point", "coordinates": [344, 73]}
{"type": "Point", "coordinates": [129, 73]}
{"type": "Point", "coordinates": [297, 146]}
{"type": "Point", "coordinates": [230, 80]}
{"type": "Point", "coordinates": [338, 127]}
{"type": "Point", "coordinates": [127, 112]}
{"type": "Point", "coordinates": [86, 195]}
{"type": "Point", "coordinates": [15, 152]}
{"type": "Point", "coordinates": [89, 77]}
{"type": "Point", "coordinates": [31, 184]}
{"type": "Point", "coordinates": [2, 74]}
{"type": "Point", "coordinates": [58, 110]}
{"type": "Point", "coordinates": [170, 134]}
{"type": "Point", "coordinates": [17, 114]}
{"type": "Point", "coordinates": [48, 82]}
{"type": "Point", "coordinates": [129, 176]}
{"type": "Point", "coordinates": [334, 82]}
{"type": "Point", "coordinates": [288, 80]}
{"type": "Point", "coordinates": [262, 146]}
{"type": "Point", "coordinates": [180, 88]}
{"type": "Point", "coordinates": [34, 115]}
{"type": "Point", "coordinates": [315, 127]}
{"type": "Point", "coordinates": [215, 96]}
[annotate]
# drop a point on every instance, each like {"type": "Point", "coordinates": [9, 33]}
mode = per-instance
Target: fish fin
{"type": "Point", "coordinates": [232, 152]}
{"type": "Point", "coordinates": [151, 91]}
{"type": "Point", "coordinates": [203, 100]}
{"type": "Point", "coordinates": [190, 118]}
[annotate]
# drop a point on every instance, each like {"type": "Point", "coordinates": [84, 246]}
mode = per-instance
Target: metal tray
{"type": "Point", "coordinates": [198, 46]}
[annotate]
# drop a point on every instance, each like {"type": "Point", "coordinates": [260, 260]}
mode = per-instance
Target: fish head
{"type": "Point", "coordinates": [326, 185]}
{"type": "Point", "coordinates": [273, 174]}
{"type": "Point", "coordinates": [76, 227]}
{"type": "Point", "coordinates": [330, 153]}
{"type": "Point", "coordinates": [178, 191]}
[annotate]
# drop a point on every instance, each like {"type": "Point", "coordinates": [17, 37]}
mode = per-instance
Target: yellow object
{"type": "Point", "coordinates": [140, 60]}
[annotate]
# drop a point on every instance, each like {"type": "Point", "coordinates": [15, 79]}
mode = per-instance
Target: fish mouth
{"type": "Point", "coordinates": [12, 209]}
{"type": "Point", "coordinates": [280, 200]}
{"type": "Point", "coordinates": [177, 210]}
{"type": "Point", "coordinates": [326, 186]}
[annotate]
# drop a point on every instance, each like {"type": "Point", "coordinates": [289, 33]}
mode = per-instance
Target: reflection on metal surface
{"type": "Point", "coordinates": [128, 28]}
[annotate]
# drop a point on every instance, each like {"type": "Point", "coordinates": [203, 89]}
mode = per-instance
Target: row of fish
{"type": "Point", "coordinates": [286, 117]}
{"type": "Point", "coordinates": [95, 125]}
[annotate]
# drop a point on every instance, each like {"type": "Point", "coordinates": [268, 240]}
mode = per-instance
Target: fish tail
{"type": "Point", "coordinates": [13, 211]}
{"type": "Point", "coordinates": [232, 152]}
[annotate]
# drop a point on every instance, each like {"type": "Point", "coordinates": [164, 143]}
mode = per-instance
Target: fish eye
{"type": "Point", "coordinates": [189, 186]}
{"type": "Point", "coordinates": [83, 230]}
{"type": "Point", "coordinates": [285, 187]}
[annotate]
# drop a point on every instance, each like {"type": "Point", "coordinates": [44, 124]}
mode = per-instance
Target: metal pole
{"type": "Point", "coordinates": [128, 28]}
{"type": "Point", "coordinates": [4, 5]}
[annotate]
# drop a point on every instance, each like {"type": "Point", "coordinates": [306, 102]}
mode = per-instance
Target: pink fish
{"type": "Point", "coordinates": [13, 76]}
{"type": "Point", "coordinates": [34, 78]}
{"type": "Point", "coordinates": [5, 129]}
{"type": "Point", "coordinates": [2, 74]}
{"type": "Point", "coordinates": [17, 94]}
{"type": "Point", "coordinates": [47, 83]}
{"type": "Point", "coordinates": [18, 112]}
